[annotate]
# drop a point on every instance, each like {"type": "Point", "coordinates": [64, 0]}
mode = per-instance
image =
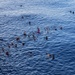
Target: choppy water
{"type": "Point", "coordinates": [31, 59]}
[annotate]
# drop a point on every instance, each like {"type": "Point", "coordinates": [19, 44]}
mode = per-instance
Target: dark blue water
{"type": "Point", "coordinates": [32, 58]}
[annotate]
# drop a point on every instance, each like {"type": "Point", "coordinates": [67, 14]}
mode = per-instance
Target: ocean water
{"type": "Point", "coordinates": [32, 59]}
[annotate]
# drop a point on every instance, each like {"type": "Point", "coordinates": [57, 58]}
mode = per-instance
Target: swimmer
{"type": "Point", "coordinates": [28, 35]}
{"type": "Point", "coordinates": [38, 30]}
{"type": "Point", "coordinates": [12, 44]}
{"type": "Point", "coordinates": [7, 53]}
{"type": "Point", "coordinates": [70, 11]}
{"type": "Point", "coordinates": [1, 39]}
{"type": "Point", "coordinates": [20, 5]}
{"type": "Point", "coordinates": [46, 37]}
{"type": "Point", "coordinates": [9, 46]}
{"type": "Point", "coordinates": [30, 53]}
{"type": "Point", "coordinates": [55, 29]}
{"type": "Point", "coordinates": [29, 23]}
{"type": "Point", "coordinates": [17, 38]}
{"type": "Point", "coordinates": [24, 34]}
{"type": "Point", "coordinates": [53, 57]}
{"type": "Point", "coordinates": [2, 49]}
{"type": "Point", "coordinates": [34, 37]}
{"type": "Point", "coordinates": [73, 12]}
{"type": "Point", "coordinates": [15, 45]}
{"type": "Point", "coordinates": [48, 55]}
{"type": "Point", "coordinates": [60, 28]}
{"type": "Point", "coordinates": [22, 17]}
{"type": "Point", "coordinates": [23, 44]}
{"type": "Point", "coordinates": [47, 29]}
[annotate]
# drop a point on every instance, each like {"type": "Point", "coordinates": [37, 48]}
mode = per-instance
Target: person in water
{"type": "Point", "coordinates": [46, 37]}
{"type": "Point", "coordinates": [29, 23]}
{"type": "Point", "coordinates": [47, 29]}
{"type": "Point", "coordinates": [17, 38]}
{"type": "Point", "coordinates": [70, 11]}
{"type": "Point", "coordinates": [38, 30]}
{"type": "Point", "coordinates": [34, 37]}
{"type": "Point", "coordinates": [55, 29]}
{"type": "Point", "coordinates": [12, 44]}
{"type": "Point", "coordinates": [61, 28]}
{"type": "Point", "coordinates": [23, 44]}
{"type": "Point", "coordinates": [9, 46]}
{"type": "Point", "coordinates": [1, 39]}
{"type": "Point", "coordinates": [24, 34]}
{"type": "Point", "coordinates": [22, 17]}
{"type": "Point", "coordinates": [15, 45]}
{"type": "Point", "coordinates": [30, 54]}
{"type": "Point", "coordinates": [50, 56]}
{"type": "Point", "coordinates": [7, 53]}
{"type": "Point", "coordinates": [53, 57]}
{"type": "Point", "coordinates": [73, 12]}
{"type": "Point", "coordinates": [21, 5]}
{"type": "Point", "coordinates": [2, 49]}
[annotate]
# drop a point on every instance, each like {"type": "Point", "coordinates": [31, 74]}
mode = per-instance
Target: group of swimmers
{"type": "Point", "coordinates": [38, 31]}
{"type": "Point", "coordinates": [72, 12]}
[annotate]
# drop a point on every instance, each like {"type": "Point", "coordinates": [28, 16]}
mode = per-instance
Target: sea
{"type": "Point", "coordinates": [37, 37]}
